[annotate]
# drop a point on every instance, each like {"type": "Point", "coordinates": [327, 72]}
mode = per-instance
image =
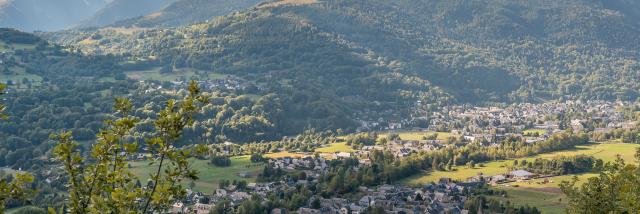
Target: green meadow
{"type": "Point", "coordinates": [534, 131]}
{"type": "Point", "coordinates": [546, 201]}
{"type": "Point", "coordinates": [416, 135]}
{"type": "Point", "coordinates": [335, 147]}
{"type": "Point", "coordinates": [209, 175]}
{"type": "Point", "coordinates": [606, 152]}
{"type": "Point", "coordinates": [546, 196]}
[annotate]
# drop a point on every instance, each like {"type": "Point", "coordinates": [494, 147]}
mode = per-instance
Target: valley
{"type": "Point", "coordinates": [319, 106]}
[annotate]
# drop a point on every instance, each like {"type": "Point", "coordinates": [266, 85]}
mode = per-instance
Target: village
{"type": "Point", "coordinates": [530, 122]}
{"type": "Point", "coordinates": [228, 83]}
{"type": "Point", "coordinates": [494, 123]}
{"type": "Point", "coordinates": [444, 197]}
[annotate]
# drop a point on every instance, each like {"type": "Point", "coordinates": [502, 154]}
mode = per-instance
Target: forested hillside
{"type": "Point", "coordinates": [476, 51]}
{"type": "Point", "coordinates": [50, 88]}
{"type": "Point", "coordinates": [329, 64]}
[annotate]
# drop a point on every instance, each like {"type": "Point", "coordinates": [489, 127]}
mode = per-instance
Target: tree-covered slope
{"type": "Point", "coordinates": [379, 50]}
{"type": "Point", "coordinates": [46, 15]}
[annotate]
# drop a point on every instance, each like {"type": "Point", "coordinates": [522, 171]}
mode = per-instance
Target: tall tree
{"type": "Point", "coordinates": [102, 183]}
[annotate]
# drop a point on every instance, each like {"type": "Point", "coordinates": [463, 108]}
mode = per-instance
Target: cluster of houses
{"type": "Point", "coordinates": [444, 197]}
{"type": "Point", "coordinates": [230, 83]}
{"type": "Point", "coordinates": [306, 163]}
{"type": "Point", "coordinates": [403, 148]}
{"type": "Point", "coordinates": [492, 124]}
{"type": "Point", "coordinates": [513, 176]}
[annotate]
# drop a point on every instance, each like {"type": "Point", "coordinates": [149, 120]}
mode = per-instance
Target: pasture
{"type": "Point", "coordinates": [534, 132]}
{"type": "Point", "coordinates": [606, 152]}
{"type": "Point", "coordinates": [552, 202]}
{"type": "Point", "coordinates": [209, 175]}
{"type": "Point", "coordinates": [335, 147]}
{"type": "Point", "coordinates": [286, 154]}
{"type": "Point", "coordinates": [546, 196]}
{"type": "Point", "coordinates": [416, 135]}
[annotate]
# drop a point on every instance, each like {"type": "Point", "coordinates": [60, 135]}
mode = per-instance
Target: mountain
{"type": "Point", "coordinates": [183, 12]}
{"type": "Point", "coordinates": [374, 60]}
{"type": "Point", "coordinates": [124, 9]}
{"type": "Point", "coordinates": [46, 15]}
{"type": "Point", "coordinates": [533, 49]}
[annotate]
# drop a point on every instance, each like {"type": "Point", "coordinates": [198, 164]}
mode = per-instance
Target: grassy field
{"type": "Point", "coordinates": [285, 155]}
{"type": "Point", "coordinates": [546, 201]}
{"type": "Point", "coordinates": [336, 147]}
{"type": "Point", "coordinates": [18, 75]}
{"type": "Point", "coordinates": [416, 135]}
{"type": "Point", "coordinates": [155, 74]}
{"type": "Point", "coordinates": [606, 152]}
{"type": "Point", "coordinates": [534, 131]}
{"type": "Point", "coordinates": [333, 148]}
{"type": "Point", "coordinates": [209, 175]}
{"type": "Point", "coordinates": [546, 196]}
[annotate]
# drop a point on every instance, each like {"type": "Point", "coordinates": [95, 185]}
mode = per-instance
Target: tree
{"type": "Point", "coordinates": [257, 157]}
{"type": "Point", "coordinates": [315, 203]}
{"type": "Point", "coordinates": [101, 183]}
{"type": "Point", "coordinates": [471, 164]}
{"type": "Point", "coordinates": [615, 190]}
{"type": "Point", "coordinates": [17, 189]}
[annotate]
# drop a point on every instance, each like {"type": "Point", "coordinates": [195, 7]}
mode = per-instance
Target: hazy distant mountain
{"type": "Point", "coordinates": [46, 15]}
{"type": "Point", "coordinates": [188, 11]}
{"type": "Point", "coordinates": [124, 9]}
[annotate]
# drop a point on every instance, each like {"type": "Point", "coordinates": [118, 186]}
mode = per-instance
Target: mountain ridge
{"type": "Point", "coordinates": [48, 15]}
{"type": "Point", "coordinates": [118, 10]}
{"type": "Point", "coordinates": [182, 12]}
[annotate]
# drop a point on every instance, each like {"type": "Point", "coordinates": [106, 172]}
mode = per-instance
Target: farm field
{"type": "Point", "coordinates": [18, 75]}
{"type": "Point", "coordinates": [155, 74]}
{"type": "Point", "coordinates": [209, 175]}
{"type": "Point", "coordinates": [336, 147]}
{"type": "Point", "coordinates": [324, 151]}
{"type": "Point", "coordinates": [285, 154]}
{"type": "Point", "coordinates": [534, 131]}
{"type": "Point", "coordinates": [546, 201]}
{"type": "Point", "coordinates": [546, 196]}
{"type": "Point", "coordinates": [416, 135]}
{"type": "Point", "coordinates": [606, 152]}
